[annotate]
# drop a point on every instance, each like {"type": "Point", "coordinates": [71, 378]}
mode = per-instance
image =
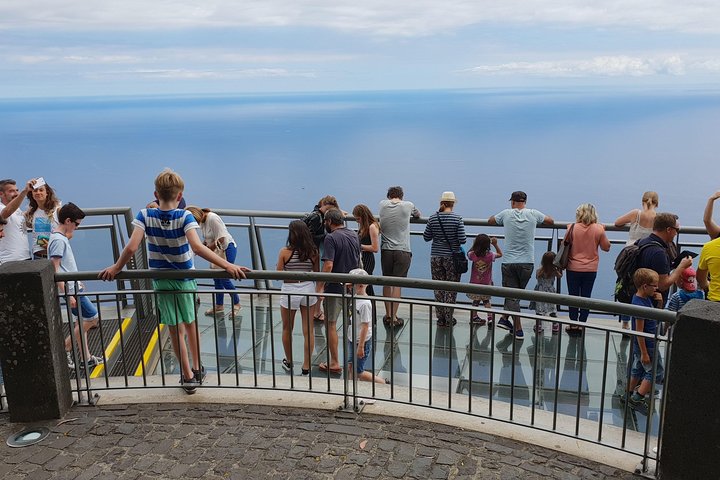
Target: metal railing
{"type": "Point", "coordinates": [559, 385]}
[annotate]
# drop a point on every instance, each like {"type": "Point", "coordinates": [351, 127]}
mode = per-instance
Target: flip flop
{"type": "Point", "coordinates": [319, 318]}
{"type": "Point", "coordinates": [324, 368]}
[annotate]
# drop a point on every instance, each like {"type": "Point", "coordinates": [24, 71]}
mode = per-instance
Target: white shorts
{"type": "Point", "coordinates": [296, 298]}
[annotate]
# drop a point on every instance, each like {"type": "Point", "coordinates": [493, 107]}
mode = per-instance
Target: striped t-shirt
{"type": "Point", "coordinates": [454, 233]}
{"type": "Point", "coordinates": [165, 231]}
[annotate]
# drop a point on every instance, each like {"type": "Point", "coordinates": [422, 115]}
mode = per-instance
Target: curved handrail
{"type": "Point", "coordinates": [531, 295]}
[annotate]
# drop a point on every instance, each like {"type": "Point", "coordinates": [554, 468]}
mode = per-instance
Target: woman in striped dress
{"type": "Point", "coordinates": [299, 255]}
{"type": "Point", "coordinates": [446, 230]}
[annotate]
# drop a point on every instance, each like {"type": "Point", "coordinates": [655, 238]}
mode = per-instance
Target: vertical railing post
{"type": "Point", "coordinates": [32, 342]}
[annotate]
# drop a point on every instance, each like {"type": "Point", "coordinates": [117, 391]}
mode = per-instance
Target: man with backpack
{"type": "Point", "coordinates": [653, 252]}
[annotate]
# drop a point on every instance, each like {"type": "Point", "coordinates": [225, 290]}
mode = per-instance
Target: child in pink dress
{"type": "Point", "coordinates": [481, 274]}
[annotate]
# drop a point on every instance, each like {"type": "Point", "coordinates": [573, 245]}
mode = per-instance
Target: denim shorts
{"type": "Point", "coordinates": [644, 371]}
{"type": "Point", "coordinates": [88, 310]}
{"type": "Point", "coordinates": [360, 361]}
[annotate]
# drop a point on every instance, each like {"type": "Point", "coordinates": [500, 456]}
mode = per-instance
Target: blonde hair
{"type": "Point", "coordinates": [645, 276]}
{"type": "Point", "coordinates": [168, 185]}
{"type": "Point", "coordinates": [586, 214]}
{"type": "Point", "coordinates": [650, 199]}
{"type": "Point", "coordinates": [197, 212]}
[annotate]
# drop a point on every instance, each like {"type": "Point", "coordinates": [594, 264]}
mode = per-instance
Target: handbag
{"type": "Point", "coordinates": [563, 254]}
{"type": "Point", "coordinates": [460, 261]}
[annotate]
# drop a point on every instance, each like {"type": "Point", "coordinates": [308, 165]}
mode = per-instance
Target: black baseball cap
{"type": "Point", "coordinates": [518, 196]}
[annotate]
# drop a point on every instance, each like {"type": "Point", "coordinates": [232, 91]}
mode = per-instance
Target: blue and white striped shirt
{"type": "Point", "coordinates": [165, 231]}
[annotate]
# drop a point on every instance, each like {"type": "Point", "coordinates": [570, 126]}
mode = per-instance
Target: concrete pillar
{"type": "Point", "coordinates": [32, 348]}
{"type": "Point", "coordinates": [690, 446]}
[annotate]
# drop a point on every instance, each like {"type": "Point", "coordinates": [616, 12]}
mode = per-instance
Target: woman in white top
{"type": "Point", "coordinates": [640, 220]}
{"type": "Point", "coordinates": [218, 239]}
{"type": "Point", "coordinates": [41, 217]}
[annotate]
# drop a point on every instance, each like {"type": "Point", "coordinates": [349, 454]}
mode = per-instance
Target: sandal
{"type": "Point", "coordinates": [320, 317]}
{"type": "Point", "coordinates": [236, 308]}
{"type": "Point", "coordinates": [324, 368]}
{"type": "Point", "coordinates": [287, 366]}
{"type": "Point", "coordinates": [211, 312]}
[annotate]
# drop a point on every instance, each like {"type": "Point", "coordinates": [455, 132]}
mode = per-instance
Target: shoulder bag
{"type": "Point", "coordinates": [460, 261]}
{"type": "Point", "coordinates": [563, 254]}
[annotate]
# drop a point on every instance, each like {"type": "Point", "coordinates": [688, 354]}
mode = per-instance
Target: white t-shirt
{"type": "Point", "coordinates": [213, 229]}
{"type": "Point", "coordinates": [42, 226]}
{"type": "Point", "coordinates": [363, 313]}
{"type": "Point", "coordinates": [14, 245]}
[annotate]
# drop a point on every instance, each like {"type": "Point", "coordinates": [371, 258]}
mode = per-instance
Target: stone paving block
{"type": "Point", "coordinates": [43, 456]}
{"type": "Point", "coordinates": [238, 442]}
{"type": "Point", "coordinates": [60, 462]}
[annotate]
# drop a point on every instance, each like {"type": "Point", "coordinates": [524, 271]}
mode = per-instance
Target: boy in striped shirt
{"type": "Point", "coordinates": [172, 236]}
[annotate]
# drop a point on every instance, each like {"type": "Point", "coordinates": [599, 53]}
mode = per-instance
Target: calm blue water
{"type": "Point", "coordinates": [283, 152]}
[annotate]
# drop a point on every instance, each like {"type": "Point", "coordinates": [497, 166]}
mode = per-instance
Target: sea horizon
{"type": "Point", "coordinates": [562, 146]}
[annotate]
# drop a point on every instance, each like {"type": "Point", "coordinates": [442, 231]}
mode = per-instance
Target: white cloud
{"type": "Point", "coordinates": [398, 17]}
{"type": "Point", "coordinates": [608, 66]}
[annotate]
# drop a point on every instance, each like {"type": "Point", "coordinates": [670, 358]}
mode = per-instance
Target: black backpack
{"type": "Point", "coordinates": [314, 221]}
{"type": "Point", "coordinates": [625, 265]}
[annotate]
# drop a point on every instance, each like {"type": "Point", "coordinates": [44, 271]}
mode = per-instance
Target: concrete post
{"type": "Point", "coordinates": [690, 445]}
{"type": "Point", "coordinates": [32, 349]}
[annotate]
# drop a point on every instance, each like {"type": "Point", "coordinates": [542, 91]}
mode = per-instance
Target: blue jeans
{"type": "Point", "coordinates": [226, 283]}
{"type": "Point", "coordinates": [580, 284]}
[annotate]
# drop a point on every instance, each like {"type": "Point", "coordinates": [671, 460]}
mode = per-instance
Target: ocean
{"type": "Point", "coordinates": [285, 151]}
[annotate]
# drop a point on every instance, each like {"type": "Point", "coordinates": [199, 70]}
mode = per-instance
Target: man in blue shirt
{"type": "Point", "coordinates": [518, 259]}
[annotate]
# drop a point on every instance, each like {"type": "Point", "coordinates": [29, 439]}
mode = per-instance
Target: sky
{"type": "Point", "coordinates": [54, 48]}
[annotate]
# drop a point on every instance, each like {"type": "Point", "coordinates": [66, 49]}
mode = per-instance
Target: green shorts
{"type": "Point", "coordinates": [178, 307]}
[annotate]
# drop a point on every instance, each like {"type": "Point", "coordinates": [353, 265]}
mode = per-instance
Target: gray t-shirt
{"type": "Point", "coordinates": [519, 233]}
{"type": "Point", "coordinates": [59, 246]}
{"type": "Point", "coordinates": [395, 224]}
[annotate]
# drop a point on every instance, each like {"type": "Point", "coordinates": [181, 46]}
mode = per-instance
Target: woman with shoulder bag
{"type": "Point", "coordinates": [446, 230]}
{"type": "Point", "coordinates": [587, 236]}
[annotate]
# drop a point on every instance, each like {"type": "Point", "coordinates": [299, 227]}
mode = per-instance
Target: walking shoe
{"type": "Point", "coordinates": [638, 403]}
{"type": "Point", "coordinates": [287, 366]}
{"type": "Point", "coordinates": [505, 324]}
{"type": "Point", "coordinates": [199, 375]}
{"type": "Point", "coordinates": [189, 385]}
{"type": "Point", "coordinates": [476, 320]}
{"type": "Point", "coordinates": [70, 361]}
{"type": "Point", "coordinates": [94, 361]}
{"type": "Point", "coordinates": [519, 335]}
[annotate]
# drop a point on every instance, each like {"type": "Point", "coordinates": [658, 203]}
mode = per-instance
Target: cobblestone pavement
{"type": "Point", "coordinates": [246, 442]}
